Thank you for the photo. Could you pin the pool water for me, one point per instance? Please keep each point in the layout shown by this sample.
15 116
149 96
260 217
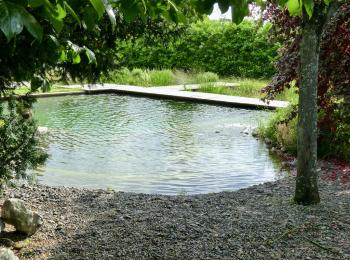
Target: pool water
148 145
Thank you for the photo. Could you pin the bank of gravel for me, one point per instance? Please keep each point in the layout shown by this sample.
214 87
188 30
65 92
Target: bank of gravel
259 222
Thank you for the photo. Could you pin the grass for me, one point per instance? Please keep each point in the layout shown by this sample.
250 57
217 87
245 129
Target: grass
248 88
25 90
139 77
283 135
206 77
155 78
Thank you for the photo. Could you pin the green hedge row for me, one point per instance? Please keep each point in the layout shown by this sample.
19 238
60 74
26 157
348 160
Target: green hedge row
222 47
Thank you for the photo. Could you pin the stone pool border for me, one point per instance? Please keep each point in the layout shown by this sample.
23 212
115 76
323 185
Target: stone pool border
177 92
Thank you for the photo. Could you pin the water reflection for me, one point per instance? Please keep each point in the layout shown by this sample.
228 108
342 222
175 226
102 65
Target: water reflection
152 146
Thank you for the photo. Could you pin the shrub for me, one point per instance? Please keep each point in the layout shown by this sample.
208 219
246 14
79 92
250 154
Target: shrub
341 144
20 146
281 133
335 138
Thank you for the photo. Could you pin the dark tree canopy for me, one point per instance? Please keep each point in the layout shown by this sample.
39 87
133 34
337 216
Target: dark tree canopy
74 39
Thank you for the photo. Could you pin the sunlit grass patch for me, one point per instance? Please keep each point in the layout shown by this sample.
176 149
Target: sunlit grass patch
247 88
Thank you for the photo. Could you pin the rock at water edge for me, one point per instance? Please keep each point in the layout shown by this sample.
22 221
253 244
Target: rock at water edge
15 212
7 254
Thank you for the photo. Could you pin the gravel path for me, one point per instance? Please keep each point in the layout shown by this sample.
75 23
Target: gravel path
259 222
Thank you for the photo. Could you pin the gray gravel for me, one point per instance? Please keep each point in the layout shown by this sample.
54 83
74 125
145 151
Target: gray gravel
259 222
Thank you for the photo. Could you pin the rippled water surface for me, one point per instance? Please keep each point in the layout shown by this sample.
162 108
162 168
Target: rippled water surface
151 146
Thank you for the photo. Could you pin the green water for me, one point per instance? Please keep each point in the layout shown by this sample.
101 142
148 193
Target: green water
151 146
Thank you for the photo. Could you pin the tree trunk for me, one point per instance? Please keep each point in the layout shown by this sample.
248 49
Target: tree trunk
306 191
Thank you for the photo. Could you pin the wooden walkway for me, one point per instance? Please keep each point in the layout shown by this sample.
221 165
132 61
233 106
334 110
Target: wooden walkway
177 92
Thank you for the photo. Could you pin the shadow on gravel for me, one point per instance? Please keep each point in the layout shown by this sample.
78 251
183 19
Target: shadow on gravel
9 238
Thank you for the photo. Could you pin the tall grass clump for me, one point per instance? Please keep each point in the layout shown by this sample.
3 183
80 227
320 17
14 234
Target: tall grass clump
206 77
279 131
247 88
140 77
161 77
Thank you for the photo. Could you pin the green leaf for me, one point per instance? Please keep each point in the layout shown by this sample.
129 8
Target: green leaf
55 15
309 7
172 5
36 3
99 7
294 7
54 40
10 20
90 19
74 47
76 58
63 56
61 13
32 25
110 14
14 17
90 55
71 11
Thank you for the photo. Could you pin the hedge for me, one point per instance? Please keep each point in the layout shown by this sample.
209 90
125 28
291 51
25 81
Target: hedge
225 48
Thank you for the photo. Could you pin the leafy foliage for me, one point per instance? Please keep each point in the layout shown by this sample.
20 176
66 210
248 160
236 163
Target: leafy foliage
70 39
224 48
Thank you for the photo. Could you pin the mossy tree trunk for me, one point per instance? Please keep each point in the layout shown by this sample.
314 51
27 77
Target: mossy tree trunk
306 191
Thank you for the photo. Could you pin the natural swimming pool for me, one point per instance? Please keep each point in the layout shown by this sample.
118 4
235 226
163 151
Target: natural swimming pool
151 146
